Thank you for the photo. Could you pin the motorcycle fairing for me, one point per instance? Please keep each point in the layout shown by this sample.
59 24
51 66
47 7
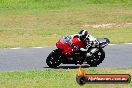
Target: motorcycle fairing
66 48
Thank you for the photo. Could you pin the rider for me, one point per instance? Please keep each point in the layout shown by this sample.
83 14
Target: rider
83 40
85 37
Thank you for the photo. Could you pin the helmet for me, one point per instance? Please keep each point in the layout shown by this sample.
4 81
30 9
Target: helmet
83 34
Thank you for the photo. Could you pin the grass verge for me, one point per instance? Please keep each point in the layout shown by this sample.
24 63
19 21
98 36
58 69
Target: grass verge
27 23
57 78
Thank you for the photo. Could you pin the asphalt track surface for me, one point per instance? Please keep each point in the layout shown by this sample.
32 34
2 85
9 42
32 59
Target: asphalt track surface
117 56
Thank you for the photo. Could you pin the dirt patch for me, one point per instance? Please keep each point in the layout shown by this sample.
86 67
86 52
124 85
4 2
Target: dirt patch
109 25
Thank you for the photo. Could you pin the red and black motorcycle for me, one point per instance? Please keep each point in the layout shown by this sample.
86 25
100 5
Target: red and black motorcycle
68 52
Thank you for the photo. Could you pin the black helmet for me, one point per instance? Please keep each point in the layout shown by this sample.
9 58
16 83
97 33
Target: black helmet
83 34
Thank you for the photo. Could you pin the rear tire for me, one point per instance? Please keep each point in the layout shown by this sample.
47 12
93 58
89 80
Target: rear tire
54 59
96 58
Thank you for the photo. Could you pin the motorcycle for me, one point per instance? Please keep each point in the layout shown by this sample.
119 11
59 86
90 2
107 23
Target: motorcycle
69 53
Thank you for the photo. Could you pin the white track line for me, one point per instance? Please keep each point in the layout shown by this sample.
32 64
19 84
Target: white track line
112 44
54 46
37 47
16 48
128 43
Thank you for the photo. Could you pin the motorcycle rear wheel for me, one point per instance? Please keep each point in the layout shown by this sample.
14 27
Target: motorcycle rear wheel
96 58
54 59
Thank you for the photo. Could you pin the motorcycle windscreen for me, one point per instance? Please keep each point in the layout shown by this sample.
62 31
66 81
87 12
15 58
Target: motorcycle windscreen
64 43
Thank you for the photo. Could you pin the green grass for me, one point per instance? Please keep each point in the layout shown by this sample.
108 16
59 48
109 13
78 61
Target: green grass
55 4
27 23
57 78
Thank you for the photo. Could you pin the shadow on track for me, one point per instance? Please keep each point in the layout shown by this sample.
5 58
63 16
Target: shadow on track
68 67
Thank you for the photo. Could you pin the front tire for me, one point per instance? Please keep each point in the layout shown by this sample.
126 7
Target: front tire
54 59
96 58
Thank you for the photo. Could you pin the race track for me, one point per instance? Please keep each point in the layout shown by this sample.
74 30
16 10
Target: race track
117 56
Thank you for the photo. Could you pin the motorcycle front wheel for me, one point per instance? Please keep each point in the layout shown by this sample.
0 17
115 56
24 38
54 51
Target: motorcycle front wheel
54 59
